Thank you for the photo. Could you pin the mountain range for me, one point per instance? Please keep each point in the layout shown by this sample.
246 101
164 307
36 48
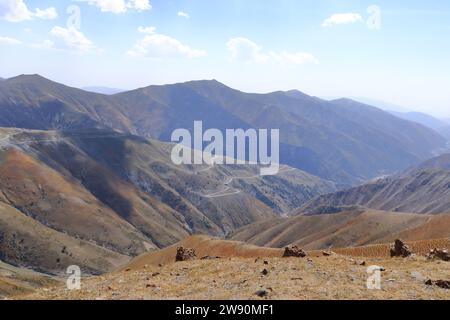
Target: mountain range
342 140
424 188
120 195
86 178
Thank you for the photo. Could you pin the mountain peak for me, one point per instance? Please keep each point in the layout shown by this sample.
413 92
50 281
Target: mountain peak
296 93
346 100
28 78
209 83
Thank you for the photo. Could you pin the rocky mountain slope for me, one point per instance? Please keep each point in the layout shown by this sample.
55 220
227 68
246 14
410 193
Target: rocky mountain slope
94 198
420 189
342 140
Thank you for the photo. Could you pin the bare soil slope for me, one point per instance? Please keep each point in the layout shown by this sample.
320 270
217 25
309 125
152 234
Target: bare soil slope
357 227
18 281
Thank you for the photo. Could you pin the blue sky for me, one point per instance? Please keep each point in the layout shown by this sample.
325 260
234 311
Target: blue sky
322 47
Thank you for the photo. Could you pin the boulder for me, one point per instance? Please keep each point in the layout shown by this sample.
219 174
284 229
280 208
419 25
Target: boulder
294 251
444 284
441 254
400 249
184 254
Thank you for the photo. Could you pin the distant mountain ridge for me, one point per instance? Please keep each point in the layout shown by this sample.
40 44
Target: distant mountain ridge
445 132
343 141
422 118
424 188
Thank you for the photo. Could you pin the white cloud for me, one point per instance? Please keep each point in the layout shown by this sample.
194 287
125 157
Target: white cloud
9 41
342 18
183 14
17 10
243 49
155 45
49 13
120 6
140 5
69 38
148 30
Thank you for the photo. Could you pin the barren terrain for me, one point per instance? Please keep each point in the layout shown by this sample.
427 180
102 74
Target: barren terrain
242 271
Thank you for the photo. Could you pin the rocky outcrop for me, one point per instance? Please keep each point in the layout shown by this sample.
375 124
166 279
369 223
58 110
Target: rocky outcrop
294 251
441 254
400 249
444 284
184 254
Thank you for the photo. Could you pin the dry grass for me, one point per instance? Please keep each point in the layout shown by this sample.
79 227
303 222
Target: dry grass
237 275
382 250
336 277
18 281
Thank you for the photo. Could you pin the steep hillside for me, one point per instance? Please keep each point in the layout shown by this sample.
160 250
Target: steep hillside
364 142
445 132
358 227
123 195
422 118
420 189
18 281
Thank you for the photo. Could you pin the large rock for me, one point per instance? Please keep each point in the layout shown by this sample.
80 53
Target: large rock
185 254
294 251
439 254
400 249
444 284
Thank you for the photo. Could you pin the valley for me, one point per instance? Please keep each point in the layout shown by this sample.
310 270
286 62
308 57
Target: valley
87 179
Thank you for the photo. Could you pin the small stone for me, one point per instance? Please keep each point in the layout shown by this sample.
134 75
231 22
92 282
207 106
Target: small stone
262 293
265 272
